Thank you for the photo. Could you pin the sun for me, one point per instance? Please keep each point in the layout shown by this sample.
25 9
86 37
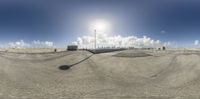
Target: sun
101 26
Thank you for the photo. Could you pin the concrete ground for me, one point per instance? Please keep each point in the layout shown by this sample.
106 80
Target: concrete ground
129 74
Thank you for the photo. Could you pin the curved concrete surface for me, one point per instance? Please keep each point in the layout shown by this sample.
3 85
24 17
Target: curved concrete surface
162 75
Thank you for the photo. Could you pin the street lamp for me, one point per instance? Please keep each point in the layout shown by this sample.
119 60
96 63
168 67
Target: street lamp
102 26
95 39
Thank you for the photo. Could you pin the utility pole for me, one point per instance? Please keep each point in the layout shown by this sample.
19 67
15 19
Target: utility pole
95 41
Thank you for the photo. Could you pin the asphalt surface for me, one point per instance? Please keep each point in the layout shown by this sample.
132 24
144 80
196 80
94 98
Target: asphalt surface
126 74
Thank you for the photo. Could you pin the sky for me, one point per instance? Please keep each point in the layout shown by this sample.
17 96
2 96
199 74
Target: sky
127 22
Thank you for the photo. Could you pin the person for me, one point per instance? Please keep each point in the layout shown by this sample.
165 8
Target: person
55 50
164 48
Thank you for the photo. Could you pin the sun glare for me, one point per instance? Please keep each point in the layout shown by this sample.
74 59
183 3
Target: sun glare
101 26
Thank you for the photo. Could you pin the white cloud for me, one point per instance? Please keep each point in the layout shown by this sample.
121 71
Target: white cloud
116 41
196 42
167 44
34 44
18 44
163 32
42 44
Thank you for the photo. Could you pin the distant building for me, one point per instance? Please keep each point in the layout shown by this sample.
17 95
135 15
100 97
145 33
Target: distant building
72 47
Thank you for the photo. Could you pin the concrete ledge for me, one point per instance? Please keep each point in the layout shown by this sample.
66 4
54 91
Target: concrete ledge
98 51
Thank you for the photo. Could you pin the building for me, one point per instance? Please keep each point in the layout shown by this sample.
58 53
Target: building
72 47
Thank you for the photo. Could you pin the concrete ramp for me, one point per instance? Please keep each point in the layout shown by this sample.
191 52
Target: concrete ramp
183 70
163 75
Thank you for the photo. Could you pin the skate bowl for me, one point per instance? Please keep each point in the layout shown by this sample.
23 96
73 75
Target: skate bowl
171 75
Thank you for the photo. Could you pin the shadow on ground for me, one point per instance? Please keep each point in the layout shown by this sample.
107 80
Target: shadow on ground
99 51
66 67
132 55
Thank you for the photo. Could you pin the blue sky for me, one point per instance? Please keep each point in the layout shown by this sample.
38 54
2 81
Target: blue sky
62 21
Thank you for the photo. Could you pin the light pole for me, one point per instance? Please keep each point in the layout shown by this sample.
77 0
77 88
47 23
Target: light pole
95 39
